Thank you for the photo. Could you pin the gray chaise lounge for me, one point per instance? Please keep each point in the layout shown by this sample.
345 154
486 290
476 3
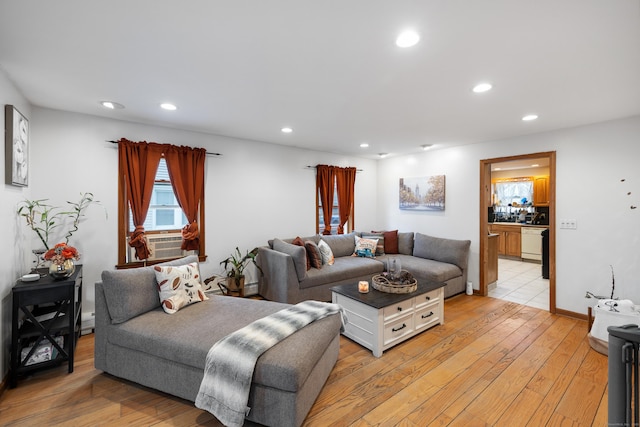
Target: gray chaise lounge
136 340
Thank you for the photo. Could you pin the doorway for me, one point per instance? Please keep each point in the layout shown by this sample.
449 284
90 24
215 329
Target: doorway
486 202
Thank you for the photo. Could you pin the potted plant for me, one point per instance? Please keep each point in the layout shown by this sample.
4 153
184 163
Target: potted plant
44 218
234 267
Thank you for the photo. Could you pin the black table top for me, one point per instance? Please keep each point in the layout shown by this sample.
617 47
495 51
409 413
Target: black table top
378 299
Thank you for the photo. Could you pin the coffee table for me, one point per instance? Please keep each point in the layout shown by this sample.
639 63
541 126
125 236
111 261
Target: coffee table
379 320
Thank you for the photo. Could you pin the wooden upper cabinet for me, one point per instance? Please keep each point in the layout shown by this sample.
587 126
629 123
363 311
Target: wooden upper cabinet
541 191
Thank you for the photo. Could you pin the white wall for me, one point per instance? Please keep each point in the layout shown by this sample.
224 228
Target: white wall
16 254
254 191
591 161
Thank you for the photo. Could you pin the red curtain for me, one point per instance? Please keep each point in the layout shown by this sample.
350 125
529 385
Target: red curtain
325 176
186 170
345 184
139 163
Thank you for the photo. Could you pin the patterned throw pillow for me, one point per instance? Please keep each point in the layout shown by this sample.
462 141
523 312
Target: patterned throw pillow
313 254
380 245
179 286
326 253
365 247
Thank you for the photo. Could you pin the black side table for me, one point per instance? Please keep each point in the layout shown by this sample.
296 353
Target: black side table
52 309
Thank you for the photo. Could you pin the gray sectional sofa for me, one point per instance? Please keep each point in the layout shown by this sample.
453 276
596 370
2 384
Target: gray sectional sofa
136 340
286 277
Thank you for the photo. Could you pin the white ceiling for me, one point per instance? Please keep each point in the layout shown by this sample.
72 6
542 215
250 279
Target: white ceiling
330 69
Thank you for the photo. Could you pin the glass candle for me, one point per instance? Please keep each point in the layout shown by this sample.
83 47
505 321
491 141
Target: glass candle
363 286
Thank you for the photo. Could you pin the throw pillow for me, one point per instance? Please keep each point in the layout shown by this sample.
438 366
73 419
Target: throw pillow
299 242
380 245
390 241
313 254
365 247
179 286
326 253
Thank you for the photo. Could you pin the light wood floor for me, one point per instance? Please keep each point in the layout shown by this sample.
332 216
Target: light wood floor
493 362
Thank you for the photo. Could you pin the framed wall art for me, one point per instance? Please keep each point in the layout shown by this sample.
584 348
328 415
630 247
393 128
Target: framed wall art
422 194
16 147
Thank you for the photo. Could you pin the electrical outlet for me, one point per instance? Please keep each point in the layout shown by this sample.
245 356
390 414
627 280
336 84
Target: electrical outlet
569 224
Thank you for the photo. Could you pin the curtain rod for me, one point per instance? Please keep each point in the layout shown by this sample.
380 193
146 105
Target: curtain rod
209 153
313 167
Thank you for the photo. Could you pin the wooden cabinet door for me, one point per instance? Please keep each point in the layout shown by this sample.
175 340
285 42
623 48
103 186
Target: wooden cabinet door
541 191
513 243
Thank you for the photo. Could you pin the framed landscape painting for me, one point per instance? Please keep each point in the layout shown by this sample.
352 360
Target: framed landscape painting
422 194
16 147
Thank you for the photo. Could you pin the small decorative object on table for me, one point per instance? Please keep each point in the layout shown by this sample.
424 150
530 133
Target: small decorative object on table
363 286
404 283
61 257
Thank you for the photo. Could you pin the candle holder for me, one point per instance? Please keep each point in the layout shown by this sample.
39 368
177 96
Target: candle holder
363 286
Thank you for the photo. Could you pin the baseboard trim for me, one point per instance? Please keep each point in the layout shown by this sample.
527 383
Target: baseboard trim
573 314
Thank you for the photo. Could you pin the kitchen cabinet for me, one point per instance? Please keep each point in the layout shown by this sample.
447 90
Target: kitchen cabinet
509 239
492 259
541 191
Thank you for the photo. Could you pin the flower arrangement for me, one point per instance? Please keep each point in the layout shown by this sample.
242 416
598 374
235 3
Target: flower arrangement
60 253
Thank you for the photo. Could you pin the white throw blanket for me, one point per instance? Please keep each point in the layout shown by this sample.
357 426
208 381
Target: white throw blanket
230 363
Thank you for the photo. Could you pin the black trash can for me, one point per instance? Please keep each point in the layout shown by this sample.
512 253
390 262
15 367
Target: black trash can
545 254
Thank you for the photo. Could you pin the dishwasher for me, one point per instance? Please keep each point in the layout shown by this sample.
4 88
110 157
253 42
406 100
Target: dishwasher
531 243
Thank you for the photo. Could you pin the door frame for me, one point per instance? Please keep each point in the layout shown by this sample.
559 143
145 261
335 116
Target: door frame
485 202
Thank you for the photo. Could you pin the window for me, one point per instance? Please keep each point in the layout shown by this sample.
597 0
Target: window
335 215
511 196
164 211
168 226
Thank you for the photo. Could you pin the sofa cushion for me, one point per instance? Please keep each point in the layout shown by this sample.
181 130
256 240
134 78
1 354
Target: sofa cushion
344 268
428 269
365 247
341 244
390 241
313 254
134 291
405 243
187 336
445 250
297 253
326 253
179 286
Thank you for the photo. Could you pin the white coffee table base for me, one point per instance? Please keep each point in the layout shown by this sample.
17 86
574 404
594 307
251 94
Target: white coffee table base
380 323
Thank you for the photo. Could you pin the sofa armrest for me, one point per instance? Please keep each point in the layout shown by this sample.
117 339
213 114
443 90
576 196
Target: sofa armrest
279 281
102 322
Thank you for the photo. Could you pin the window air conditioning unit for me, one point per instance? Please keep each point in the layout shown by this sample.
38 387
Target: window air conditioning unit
162 246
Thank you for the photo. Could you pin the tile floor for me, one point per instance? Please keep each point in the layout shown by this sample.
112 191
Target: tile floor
521 282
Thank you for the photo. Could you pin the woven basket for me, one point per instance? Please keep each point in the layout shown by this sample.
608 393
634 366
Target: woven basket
383 284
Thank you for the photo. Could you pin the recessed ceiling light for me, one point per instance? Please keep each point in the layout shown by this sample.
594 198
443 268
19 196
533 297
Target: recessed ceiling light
529 117
364 145
482 87
286 130
111 105
168 106
407 39
425 147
